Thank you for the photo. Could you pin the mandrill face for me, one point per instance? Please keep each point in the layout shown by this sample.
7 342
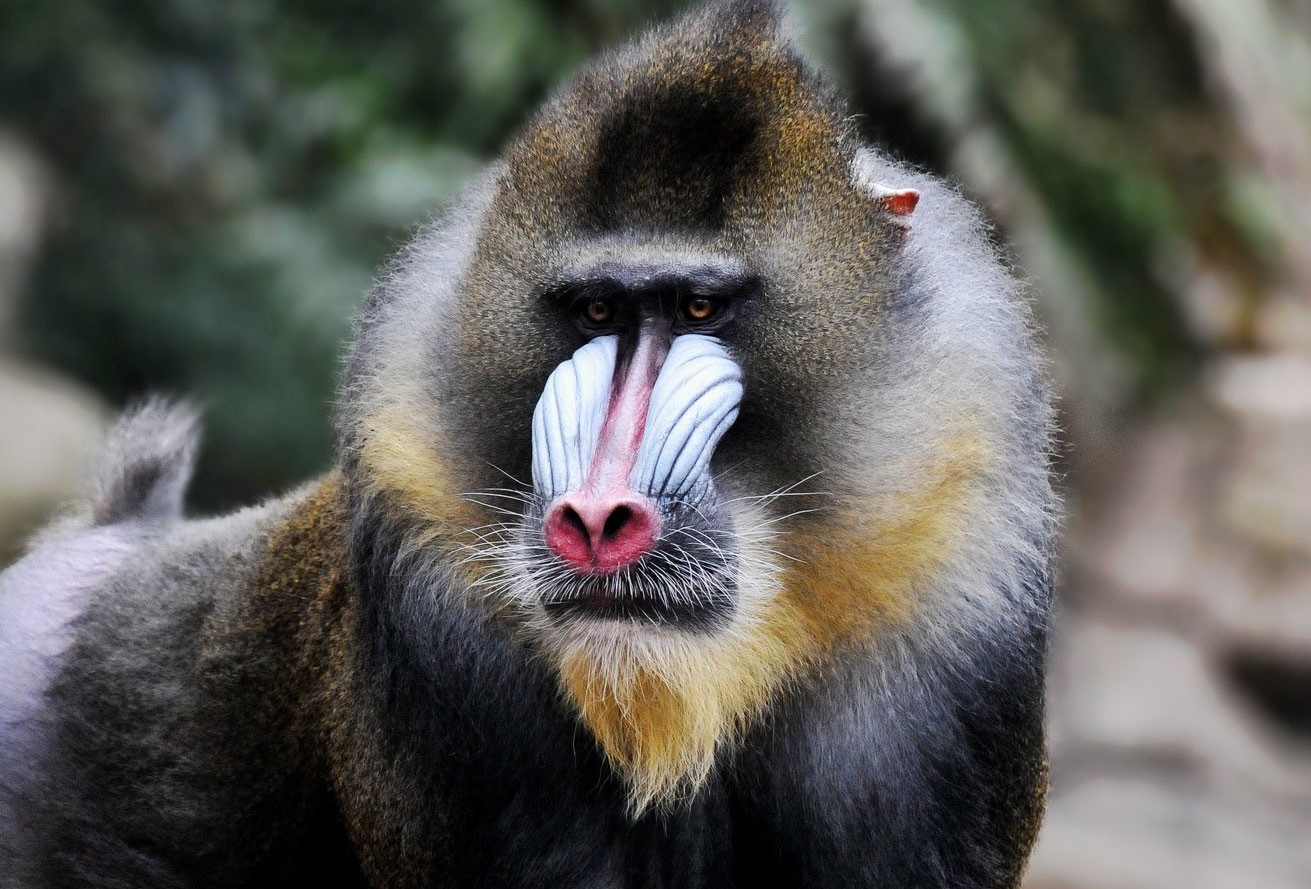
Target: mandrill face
590 406
626 532
623 437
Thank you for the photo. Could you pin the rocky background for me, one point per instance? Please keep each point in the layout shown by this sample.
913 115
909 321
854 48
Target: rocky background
193 196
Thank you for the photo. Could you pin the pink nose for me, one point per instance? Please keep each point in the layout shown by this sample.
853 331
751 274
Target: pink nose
601 532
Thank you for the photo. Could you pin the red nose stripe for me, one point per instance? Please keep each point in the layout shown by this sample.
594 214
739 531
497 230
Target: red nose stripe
606 525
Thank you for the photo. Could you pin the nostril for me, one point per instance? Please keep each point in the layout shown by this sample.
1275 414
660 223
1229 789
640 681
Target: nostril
615 522
629 531
600 533
570 517
567 534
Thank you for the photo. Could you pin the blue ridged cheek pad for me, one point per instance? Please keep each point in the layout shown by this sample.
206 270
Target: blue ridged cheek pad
693 403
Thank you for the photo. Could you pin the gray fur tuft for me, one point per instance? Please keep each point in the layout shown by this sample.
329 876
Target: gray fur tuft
142 471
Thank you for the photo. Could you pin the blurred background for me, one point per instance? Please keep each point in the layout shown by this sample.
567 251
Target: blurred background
194 195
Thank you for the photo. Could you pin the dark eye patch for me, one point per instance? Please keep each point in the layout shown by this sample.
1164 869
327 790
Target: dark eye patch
700 296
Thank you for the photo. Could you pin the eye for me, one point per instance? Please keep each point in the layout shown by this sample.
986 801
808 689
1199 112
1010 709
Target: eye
700 309
599 311
595 314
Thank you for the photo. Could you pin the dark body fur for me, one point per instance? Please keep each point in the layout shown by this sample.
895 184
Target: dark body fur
306 692
251 733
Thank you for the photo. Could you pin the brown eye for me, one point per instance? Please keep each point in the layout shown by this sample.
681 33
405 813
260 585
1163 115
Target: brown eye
698 308
599 311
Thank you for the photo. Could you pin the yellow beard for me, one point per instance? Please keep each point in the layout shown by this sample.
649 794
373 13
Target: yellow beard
661 713
662 708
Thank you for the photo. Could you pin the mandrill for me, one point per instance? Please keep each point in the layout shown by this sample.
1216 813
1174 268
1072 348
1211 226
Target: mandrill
692 527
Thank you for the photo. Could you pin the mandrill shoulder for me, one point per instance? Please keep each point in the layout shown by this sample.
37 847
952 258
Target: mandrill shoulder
298 591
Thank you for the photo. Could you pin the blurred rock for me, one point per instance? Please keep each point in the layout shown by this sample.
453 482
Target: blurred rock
1144 696
1130 827
51 427
1286 324
24 191
1274 387
1214 299
1181 675
1264 503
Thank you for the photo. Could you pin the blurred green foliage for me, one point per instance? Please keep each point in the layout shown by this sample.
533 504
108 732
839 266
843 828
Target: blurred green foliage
231 174
1103 105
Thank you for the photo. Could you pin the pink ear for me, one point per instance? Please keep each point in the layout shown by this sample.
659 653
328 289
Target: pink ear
897 201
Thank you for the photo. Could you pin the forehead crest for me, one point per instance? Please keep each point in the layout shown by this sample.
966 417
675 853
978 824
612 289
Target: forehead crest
681 128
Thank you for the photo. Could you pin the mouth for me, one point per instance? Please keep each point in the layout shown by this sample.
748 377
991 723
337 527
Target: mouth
687 582
706 611
707 616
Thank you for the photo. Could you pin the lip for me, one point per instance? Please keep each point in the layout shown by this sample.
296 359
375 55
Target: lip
597 568
702 614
